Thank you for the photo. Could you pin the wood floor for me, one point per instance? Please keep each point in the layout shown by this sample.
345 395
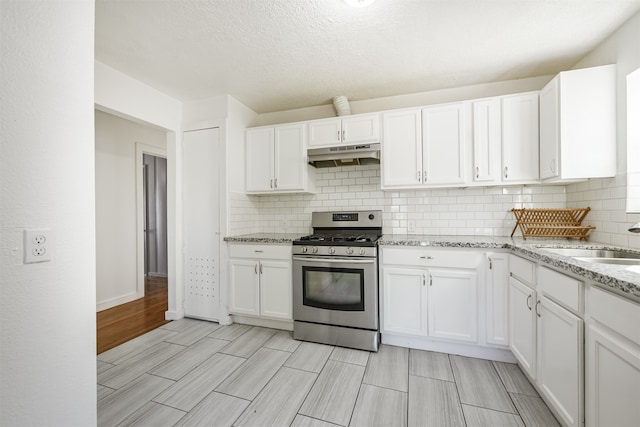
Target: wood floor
122 323
195 373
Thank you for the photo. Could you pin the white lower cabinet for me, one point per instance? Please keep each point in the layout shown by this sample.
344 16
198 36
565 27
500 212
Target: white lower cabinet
260 281
547 335
429 293
497 298
560 363
613 361
522 322
405 301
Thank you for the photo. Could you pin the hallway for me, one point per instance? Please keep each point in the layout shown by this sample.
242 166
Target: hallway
122 323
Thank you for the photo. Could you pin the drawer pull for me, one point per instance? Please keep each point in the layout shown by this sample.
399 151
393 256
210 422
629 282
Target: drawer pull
426 257
258 251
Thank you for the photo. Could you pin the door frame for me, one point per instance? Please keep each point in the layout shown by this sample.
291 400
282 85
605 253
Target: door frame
141 150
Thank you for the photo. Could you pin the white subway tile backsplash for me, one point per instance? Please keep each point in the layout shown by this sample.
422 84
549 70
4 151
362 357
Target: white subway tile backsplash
484 211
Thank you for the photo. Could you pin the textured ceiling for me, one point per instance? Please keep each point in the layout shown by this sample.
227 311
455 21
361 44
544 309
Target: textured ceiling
275 55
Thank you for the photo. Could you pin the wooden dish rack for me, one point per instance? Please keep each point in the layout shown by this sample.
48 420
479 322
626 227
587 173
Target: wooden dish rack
552 223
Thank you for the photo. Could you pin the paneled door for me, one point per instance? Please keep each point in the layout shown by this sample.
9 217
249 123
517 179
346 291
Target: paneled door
201 219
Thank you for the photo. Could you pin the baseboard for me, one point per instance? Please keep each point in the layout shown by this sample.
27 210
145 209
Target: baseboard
117 301
286 325
468 350
150 274
173 315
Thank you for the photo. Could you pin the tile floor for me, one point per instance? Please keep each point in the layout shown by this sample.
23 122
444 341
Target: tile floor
191 372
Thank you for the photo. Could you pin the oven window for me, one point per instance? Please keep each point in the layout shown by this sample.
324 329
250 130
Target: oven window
333 288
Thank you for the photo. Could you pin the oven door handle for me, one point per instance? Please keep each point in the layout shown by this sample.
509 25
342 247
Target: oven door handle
337 260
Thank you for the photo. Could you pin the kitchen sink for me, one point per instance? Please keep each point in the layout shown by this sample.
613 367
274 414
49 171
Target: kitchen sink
601 256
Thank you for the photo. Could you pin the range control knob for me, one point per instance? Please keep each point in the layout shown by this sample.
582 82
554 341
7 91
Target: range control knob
332 250
314 250
371 216
349 251
362 251
303 249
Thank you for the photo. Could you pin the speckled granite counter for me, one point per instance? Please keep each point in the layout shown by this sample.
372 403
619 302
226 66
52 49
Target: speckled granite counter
263 238
622 279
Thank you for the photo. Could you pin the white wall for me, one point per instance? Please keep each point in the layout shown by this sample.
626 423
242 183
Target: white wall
116 248
408 100
607 197
47 310
123 96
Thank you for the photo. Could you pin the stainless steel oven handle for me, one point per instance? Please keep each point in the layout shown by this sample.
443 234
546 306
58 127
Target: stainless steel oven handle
337 260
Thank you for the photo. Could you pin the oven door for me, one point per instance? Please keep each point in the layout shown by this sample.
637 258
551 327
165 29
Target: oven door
336 291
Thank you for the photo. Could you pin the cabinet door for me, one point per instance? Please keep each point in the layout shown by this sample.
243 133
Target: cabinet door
613 379
497 298
245 287
453 305
259 160
401 163
486 140
290 157
522 324
404 301
359 129
520 138
443 144
550 130
560 361
325 133
275 289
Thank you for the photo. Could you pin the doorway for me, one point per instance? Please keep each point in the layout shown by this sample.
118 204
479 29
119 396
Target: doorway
155 222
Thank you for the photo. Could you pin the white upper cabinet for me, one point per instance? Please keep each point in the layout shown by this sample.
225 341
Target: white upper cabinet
276 160
401 162
520 143
424 147
356 129
443 140
578 125
487 141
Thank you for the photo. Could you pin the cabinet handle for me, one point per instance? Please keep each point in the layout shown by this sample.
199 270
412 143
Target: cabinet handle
490 264
339 139
344 135
255 268
477 172
276 185
430 280
271 184
260 268
419 176
506 172
510 274
537 312
424 280
424 175
528 302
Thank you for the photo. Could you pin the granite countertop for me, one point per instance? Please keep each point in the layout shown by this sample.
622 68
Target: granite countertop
264 238
622 279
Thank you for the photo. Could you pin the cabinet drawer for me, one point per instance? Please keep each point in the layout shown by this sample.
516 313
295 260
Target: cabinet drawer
564 289
260 251
617 313
521 269
432 257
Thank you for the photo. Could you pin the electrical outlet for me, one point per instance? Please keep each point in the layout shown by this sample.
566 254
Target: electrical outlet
37 245
411 227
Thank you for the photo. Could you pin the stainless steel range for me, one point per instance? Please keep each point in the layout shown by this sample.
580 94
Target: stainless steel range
335 280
